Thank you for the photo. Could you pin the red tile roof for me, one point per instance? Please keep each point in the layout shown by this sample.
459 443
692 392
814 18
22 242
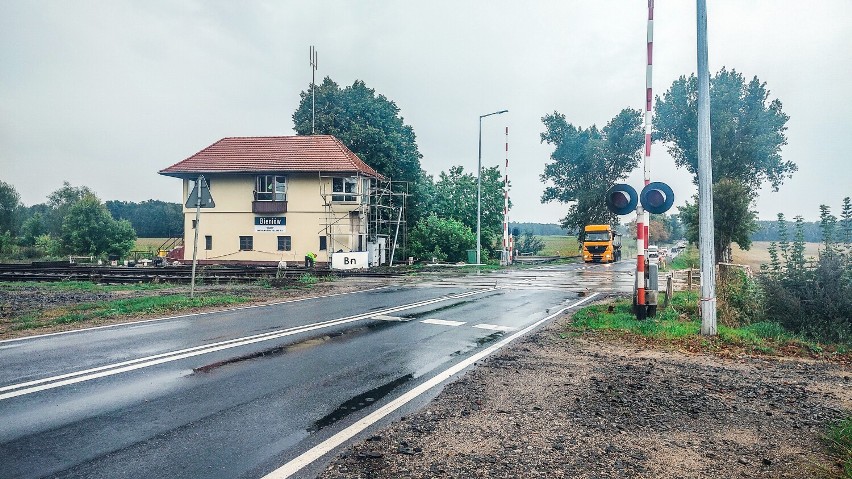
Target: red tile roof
272 154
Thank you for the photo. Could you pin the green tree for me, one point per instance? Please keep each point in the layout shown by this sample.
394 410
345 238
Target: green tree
529 243
151 218
455 198
445 239
586 162
10 208
33 227
846 222
89 229
59 204
370 126
734 221
747 134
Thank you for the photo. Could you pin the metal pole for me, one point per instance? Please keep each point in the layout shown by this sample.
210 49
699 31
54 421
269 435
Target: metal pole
479 195
505 255
197 227
313 54
705 183
649 114
479 189
641 311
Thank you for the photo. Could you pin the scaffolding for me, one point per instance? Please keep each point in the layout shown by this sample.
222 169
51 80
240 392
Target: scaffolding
367 217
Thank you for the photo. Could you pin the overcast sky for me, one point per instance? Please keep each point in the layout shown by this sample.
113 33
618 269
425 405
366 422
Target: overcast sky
107 93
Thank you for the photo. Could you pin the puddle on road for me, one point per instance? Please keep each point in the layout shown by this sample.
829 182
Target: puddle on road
302 345
489 339
359 402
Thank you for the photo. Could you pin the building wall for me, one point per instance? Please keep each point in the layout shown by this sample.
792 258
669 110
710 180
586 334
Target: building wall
306 219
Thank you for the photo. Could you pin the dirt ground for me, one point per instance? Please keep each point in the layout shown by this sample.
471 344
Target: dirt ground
18 302
555 405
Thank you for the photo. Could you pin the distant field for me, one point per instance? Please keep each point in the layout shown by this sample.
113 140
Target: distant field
759 253
561 245
148 244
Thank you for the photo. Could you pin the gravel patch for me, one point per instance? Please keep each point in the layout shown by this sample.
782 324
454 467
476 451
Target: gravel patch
595 408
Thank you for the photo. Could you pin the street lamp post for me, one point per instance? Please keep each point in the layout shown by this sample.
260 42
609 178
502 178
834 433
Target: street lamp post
479 189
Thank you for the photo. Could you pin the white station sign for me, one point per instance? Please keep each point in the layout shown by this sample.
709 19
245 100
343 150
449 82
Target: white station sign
352 260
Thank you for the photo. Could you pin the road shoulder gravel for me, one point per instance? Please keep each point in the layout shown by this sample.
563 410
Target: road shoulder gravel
557 405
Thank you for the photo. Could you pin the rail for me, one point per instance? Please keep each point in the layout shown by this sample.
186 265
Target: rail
170 274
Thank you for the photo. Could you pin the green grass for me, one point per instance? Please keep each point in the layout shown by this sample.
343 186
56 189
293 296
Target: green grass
148 244
121 308
687 259
839 439
665 325
680 323
559 245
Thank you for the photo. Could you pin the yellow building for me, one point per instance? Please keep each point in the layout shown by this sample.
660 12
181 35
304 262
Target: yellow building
277 199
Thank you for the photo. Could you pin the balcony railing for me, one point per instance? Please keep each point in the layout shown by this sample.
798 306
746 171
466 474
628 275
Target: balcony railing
268 206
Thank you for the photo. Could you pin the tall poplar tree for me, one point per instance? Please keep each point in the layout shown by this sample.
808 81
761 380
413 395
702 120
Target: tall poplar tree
747 132
586 162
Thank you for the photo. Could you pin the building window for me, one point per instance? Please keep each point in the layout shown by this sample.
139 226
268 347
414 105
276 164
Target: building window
339 186
284 243
246 243
208 242
323 245
194 222
270 188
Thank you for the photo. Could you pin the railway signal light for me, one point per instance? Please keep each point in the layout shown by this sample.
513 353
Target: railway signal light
657 197
621 199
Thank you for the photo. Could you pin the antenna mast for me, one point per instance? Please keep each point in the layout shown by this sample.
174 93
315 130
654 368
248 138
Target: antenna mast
313 54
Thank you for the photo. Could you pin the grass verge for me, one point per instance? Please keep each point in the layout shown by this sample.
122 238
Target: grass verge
839 440
104 310
87 286
678 327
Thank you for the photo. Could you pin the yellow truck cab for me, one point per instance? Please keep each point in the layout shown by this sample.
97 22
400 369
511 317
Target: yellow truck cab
601 244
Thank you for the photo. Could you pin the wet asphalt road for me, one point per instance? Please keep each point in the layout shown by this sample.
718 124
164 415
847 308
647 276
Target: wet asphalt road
241 392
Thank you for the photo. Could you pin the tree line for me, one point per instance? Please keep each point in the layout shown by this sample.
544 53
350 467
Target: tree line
747 134
748 131
74 221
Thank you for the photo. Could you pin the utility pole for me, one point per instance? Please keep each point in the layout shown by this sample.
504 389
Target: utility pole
313 53
479 189
705 183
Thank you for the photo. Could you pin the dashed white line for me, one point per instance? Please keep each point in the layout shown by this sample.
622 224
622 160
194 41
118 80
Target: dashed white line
494 327
385 317
443 322
323 448
29 387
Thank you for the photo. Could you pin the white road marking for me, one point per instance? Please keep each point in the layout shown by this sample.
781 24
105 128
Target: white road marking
30 387
385 317
329 444
443 322
494 327
239 308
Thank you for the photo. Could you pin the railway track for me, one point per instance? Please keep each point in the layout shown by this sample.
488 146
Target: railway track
168 274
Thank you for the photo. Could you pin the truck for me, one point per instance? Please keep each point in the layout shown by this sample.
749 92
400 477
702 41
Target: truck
601 244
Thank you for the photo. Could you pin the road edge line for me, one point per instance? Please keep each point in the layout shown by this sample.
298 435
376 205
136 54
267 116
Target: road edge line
298 463
188 315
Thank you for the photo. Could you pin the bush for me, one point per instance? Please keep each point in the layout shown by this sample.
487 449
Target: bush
813 298
442 239
741 299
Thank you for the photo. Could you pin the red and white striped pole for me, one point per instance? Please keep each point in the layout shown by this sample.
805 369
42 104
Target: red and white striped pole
643 219
506 243
649 98
640 264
